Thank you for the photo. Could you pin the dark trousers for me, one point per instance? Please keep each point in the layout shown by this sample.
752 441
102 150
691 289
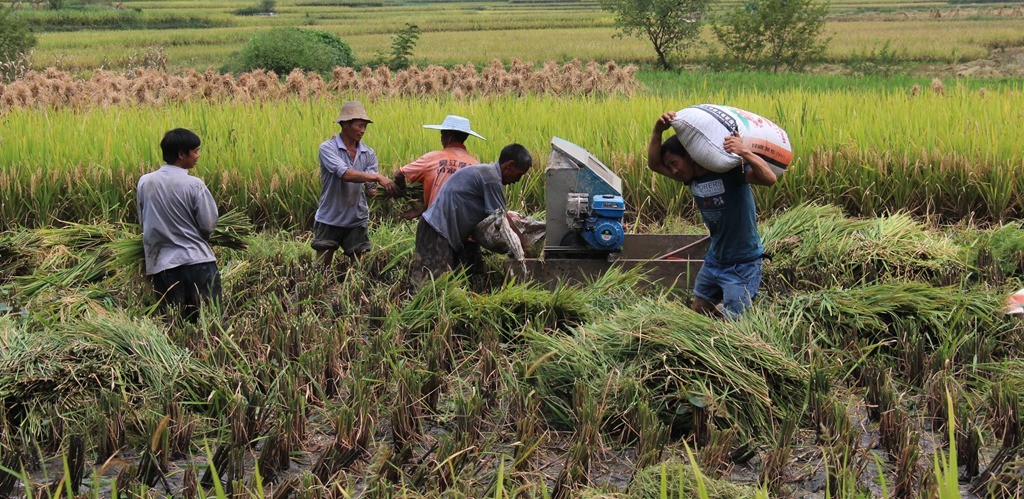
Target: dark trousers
187 286
433 256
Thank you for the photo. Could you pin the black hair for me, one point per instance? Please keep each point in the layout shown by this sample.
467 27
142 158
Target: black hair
179 140
518 154
673 146
455 135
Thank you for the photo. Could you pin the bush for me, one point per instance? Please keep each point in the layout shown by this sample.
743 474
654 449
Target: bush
263 7
283 49
15 38
774 34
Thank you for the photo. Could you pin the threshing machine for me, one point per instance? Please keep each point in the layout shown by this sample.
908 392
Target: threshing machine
585 234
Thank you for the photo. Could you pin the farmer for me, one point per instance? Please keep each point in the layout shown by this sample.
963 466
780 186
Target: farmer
469 196
345 165
731 275
178 215
434 168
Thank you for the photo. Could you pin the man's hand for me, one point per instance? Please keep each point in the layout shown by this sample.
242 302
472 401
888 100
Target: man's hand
734 144
388 185
664 122
414 212
759 173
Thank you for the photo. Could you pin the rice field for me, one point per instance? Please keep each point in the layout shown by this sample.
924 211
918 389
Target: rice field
933 151
876 361
839 381
477 32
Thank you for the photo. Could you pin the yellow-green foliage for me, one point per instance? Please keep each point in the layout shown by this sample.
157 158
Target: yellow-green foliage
476 32
871 151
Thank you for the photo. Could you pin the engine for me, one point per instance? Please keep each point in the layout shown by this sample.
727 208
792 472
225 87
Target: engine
598 219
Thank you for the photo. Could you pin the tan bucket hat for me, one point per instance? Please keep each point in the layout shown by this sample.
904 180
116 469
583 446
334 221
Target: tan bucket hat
352 110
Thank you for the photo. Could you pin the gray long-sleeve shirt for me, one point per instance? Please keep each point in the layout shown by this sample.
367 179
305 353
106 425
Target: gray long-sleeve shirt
469 196
178 215
343 204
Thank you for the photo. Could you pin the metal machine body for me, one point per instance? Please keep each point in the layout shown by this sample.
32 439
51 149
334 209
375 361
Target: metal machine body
581 196
585 233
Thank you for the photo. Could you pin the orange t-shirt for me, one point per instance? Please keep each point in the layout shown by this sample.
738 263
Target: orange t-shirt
434 168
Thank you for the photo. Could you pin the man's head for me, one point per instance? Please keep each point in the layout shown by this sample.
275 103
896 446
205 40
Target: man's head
180 147
353 121
514 162
674 155
454 130
449 137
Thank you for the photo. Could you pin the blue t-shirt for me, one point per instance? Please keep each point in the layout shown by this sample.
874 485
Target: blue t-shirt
726 204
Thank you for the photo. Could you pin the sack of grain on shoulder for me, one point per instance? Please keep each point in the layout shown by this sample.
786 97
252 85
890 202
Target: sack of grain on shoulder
702 130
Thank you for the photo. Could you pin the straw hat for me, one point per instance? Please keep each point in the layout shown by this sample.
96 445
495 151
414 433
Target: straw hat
456 124
352 110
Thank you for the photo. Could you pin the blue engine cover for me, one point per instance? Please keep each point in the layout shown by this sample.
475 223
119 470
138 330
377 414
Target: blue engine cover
603 233
608 206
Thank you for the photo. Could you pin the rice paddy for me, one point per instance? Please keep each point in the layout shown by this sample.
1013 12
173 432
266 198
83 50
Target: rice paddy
478 32
304 384
876 361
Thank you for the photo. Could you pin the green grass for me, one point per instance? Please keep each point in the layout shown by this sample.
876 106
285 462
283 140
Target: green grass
930 154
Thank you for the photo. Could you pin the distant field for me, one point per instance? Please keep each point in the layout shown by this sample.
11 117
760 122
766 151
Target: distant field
478 32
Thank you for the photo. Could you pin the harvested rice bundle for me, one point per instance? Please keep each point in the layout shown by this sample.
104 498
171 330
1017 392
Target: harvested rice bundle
878 314
818 244
133 356
681 359
78 255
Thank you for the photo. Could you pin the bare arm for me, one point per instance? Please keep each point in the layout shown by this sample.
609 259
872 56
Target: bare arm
359 177
654 146
331 160
681 170
760 173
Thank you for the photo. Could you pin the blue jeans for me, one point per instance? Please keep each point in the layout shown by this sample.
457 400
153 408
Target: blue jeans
733 285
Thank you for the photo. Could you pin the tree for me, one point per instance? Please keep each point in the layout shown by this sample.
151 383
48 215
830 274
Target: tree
15 43
15 38
402 45
670 25
775 33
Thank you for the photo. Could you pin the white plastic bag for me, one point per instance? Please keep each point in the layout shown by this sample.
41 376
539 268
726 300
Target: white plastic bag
495 234
702 130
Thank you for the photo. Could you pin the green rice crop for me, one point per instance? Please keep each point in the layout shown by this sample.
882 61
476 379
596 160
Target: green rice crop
109 19
84 357
680 360
928 154
815 243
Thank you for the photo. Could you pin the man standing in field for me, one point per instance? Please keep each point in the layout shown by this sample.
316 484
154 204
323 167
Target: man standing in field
178 216
469 196
346 164
436 167
731 275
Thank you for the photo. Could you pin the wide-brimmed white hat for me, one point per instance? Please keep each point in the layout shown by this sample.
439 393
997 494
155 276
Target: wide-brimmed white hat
352 110
455 124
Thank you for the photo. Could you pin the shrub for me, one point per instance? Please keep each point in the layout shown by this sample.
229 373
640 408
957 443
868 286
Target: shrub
774 34
283 49
15 38
402 45
263 7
